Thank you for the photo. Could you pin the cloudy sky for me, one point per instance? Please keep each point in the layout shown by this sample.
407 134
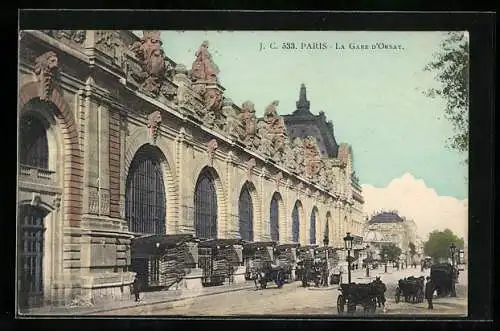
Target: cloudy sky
372 95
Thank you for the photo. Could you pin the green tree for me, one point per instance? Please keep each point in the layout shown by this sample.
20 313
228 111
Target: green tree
451 68
390 252
438 245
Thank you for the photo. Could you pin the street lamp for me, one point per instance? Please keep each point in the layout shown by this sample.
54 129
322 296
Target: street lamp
325 242
367 257
385 262
348 246
452 252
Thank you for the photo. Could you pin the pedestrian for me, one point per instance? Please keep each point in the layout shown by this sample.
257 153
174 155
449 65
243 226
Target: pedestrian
136 288
429 292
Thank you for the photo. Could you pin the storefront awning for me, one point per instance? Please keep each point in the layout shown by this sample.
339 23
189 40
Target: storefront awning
211 243
154 243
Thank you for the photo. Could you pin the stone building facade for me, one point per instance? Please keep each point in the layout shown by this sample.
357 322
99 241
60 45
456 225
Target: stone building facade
392 228
118 141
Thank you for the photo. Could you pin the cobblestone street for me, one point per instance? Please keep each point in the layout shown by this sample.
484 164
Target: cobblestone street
293 299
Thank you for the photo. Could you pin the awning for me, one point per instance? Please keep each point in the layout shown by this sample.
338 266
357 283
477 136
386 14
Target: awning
154 243
212 243
258 245
287 246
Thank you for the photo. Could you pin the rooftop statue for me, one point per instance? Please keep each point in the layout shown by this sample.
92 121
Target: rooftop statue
204 68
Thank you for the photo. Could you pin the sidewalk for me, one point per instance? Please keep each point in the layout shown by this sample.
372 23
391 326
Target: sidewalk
147 298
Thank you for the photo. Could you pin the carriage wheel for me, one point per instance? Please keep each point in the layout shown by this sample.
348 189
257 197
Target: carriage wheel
280 279
340 304
398 295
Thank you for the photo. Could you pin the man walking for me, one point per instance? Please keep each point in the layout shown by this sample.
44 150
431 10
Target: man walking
136 288
429 292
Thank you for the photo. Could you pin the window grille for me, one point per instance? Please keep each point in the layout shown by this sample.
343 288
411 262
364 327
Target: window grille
33 144
245 210
145 201
274 218
205 207
31 264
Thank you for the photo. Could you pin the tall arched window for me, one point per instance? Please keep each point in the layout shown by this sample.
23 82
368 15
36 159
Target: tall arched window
295 223
274 218
145 201
245 211
33 147
205 207
312 231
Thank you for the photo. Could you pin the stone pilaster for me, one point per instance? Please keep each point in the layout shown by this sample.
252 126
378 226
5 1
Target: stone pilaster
185 208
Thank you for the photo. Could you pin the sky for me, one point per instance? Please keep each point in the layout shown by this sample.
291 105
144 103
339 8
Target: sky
373 96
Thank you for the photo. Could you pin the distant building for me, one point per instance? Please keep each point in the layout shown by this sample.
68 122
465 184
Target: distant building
389 227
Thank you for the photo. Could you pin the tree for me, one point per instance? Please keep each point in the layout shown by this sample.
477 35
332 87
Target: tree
451 68
438 245
390 252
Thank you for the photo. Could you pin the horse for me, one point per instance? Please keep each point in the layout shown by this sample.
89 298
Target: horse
256 276
380 289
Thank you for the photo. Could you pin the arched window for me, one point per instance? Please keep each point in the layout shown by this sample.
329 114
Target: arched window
295 223
205 207
312 231
274 218
145 201
31 252
245 211
33 147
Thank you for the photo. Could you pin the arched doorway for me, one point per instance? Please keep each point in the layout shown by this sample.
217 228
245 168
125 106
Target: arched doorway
296 222
205 206
145 200
245 211
274 216
145 205
312 229
31 253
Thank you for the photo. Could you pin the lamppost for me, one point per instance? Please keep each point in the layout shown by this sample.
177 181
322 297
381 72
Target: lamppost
453 249
385 262
367 259
348 246
325 242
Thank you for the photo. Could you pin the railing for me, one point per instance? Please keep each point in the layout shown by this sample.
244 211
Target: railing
37 175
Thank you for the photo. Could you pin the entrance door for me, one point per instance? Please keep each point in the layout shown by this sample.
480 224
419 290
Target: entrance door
31 243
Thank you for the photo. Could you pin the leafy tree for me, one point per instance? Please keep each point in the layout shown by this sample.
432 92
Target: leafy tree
451 68
390 252
438 245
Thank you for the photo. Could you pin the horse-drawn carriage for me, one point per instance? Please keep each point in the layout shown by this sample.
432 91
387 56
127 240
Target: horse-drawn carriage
411 289
444 276
286 258
217 258
308 270
260 264
366 295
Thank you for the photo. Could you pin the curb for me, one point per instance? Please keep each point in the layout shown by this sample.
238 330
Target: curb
171 303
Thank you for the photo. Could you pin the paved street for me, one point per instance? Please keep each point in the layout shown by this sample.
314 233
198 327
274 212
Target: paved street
295 300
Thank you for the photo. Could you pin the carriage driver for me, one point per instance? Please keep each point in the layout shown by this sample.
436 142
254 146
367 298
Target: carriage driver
429 292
